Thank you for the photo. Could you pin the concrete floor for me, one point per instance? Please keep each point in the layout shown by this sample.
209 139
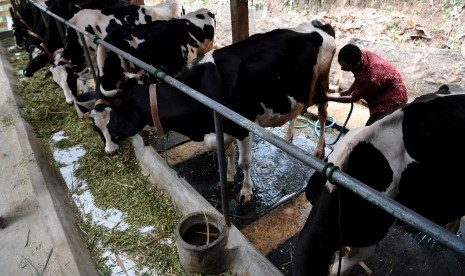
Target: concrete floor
39 234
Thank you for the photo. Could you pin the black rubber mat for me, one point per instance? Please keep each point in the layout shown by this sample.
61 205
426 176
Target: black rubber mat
166 142
400 253
281 257
277 177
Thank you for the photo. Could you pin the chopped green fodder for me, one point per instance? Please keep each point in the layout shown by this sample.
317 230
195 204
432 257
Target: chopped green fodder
115 182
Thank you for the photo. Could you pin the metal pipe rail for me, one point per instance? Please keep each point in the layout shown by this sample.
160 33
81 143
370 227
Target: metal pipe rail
373 196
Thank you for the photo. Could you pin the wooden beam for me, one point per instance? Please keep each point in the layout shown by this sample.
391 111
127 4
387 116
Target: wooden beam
239 19
5 13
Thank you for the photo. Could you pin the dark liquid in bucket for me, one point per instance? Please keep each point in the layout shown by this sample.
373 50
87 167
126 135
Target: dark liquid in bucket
197 234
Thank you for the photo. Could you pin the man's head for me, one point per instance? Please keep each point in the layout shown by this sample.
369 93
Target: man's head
350 57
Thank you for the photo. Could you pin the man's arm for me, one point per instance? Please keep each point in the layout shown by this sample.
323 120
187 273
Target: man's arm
342 98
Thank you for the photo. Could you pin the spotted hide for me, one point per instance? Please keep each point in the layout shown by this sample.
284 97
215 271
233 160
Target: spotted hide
24 19
407 156
28 27
268 78
99 22
42 54
165 44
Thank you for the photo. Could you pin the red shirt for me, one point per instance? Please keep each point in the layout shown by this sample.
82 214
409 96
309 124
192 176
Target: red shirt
379 83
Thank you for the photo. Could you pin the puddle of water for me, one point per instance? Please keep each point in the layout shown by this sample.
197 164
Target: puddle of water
277 176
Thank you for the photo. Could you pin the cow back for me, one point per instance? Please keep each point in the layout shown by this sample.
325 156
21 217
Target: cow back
269 71
165 44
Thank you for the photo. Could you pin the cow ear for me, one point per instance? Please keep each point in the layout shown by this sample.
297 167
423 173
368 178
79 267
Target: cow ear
315 186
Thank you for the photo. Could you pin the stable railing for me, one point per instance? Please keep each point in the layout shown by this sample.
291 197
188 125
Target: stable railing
376 198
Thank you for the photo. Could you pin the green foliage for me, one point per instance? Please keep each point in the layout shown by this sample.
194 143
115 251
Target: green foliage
456 2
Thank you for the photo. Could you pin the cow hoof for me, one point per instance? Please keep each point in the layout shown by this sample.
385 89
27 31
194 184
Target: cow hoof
288 137
319 154
245 199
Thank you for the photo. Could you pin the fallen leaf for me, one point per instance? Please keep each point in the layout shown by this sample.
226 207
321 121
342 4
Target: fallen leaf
120 263
397 14
432 80
453 78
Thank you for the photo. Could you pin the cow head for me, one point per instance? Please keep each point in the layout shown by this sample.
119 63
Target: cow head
20 29
66 76
25 18
205 20
84 103
100 116
38 60
20 35
115 126
116 119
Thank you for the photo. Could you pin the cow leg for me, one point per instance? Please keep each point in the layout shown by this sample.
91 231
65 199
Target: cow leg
318 240
353 257
322 115
289 136
209 141
245 149
231 167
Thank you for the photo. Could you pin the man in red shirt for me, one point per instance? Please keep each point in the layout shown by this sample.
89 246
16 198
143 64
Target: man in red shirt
376 81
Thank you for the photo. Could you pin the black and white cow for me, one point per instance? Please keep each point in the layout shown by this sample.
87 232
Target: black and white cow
269 78
404 156
52 41
165 44
28 26
23 21
99 22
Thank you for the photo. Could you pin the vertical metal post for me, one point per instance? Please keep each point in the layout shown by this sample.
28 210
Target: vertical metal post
222 165
89 60
60 30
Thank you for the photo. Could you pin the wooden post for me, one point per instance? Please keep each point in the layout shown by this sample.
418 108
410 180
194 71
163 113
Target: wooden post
239 19
139 2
